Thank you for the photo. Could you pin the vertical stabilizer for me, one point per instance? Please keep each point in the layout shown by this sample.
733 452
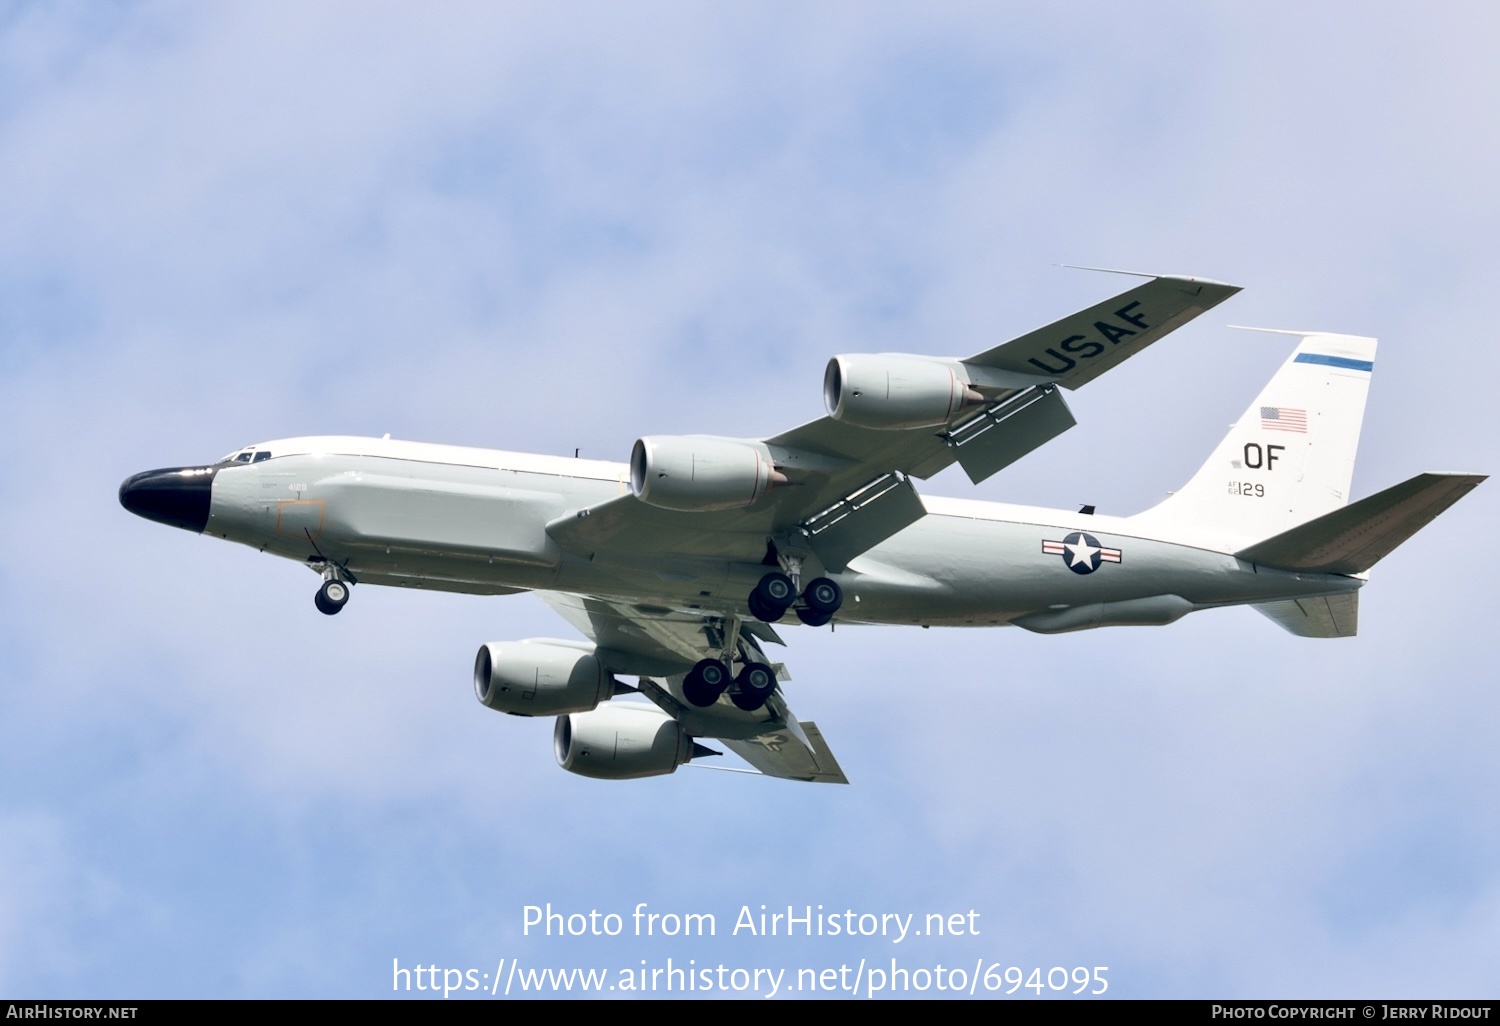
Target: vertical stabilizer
1290 458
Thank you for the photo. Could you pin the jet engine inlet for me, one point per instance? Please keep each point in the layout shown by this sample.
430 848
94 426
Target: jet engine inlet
540 678
892 391
622 742
699 473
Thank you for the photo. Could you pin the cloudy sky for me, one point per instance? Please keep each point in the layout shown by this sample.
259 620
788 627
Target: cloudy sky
548 226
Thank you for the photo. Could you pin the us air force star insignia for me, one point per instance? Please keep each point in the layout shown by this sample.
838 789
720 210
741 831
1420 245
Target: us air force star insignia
1081 552
770 742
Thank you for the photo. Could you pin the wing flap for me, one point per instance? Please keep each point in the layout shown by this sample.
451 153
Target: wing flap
998 437
863 520
1354 538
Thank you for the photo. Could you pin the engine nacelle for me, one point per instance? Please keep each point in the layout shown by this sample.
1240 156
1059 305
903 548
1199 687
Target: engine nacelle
698 473
540 677
896 390
621 742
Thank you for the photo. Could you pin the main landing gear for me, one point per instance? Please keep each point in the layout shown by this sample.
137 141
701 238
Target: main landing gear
776 593
709 679
705 682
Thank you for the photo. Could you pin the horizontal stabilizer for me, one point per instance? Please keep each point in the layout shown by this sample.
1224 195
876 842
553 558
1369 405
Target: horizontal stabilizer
1354 538
1322 616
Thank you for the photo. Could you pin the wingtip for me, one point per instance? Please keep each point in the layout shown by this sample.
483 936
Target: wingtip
1303 334
1275 331
1108 270
1183 279
1473 479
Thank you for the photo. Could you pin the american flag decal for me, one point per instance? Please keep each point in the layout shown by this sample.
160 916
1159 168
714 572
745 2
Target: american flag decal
1283 418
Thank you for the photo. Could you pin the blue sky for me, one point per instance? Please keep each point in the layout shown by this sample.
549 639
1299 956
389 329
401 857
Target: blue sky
541 227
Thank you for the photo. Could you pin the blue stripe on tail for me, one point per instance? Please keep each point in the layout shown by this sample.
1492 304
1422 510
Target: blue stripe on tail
1336 361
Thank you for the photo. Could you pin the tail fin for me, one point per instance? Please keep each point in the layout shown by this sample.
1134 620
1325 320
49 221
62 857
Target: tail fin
1290 457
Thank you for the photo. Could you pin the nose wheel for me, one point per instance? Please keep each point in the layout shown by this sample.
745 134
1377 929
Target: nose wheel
331 597
334 594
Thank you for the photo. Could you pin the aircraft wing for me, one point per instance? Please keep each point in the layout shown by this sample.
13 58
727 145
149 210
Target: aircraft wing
850 485
780 753
650 641
659 645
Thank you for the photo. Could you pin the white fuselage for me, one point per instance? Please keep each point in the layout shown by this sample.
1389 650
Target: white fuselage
449 518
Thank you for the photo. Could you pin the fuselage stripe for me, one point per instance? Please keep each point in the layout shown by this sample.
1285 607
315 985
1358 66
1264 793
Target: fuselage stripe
1335 361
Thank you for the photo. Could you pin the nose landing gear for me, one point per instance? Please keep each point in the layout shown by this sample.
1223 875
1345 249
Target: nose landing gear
332 596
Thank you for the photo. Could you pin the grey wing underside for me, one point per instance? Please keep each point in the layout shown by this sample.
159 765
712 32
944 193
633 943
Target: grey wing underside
782 754
648 641
660 645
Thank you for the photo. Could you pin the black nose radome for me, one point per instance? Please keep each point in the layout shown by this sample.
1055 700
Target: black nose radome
178 496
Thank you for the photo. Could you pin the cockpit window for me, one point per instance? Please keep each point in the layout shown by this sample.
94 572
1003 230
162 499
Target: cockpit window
243 457
261 456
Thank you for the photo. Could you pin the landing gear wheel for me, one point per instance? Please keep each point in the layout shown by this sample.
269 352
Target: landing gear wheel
705 682
813 619
772 597
331 597
763 612
777 589
823 596
756 682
